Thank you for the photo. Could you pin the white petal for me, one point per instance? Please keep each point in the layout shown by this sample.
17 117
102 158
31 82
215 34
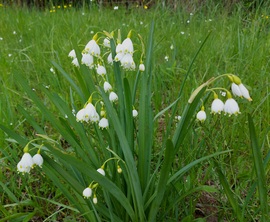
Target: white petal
38 160
87 192
217 106
201 116
236 90
244 92
101 171
113 97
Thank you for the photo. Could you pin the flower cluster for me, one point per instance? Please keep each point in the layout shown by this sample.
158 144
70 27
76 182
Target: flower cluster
92 57
230 107
88 191
27 162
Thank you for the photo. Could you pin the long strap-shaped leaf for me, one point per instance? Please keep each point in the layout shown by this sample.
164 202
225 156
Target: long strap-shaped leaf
164 175
259 169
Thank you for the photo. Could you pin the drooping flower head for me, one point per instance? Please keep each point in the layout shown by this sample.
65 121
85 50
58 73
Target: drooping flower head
25 164
238 88
231 106
217 105
87 192
92 47
201 115
38 159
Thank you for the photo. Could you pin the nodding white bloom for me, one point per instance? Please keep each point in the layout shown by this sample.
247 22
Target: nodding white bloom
95 200
107 86
134 113
109 59
92 48
38 159
128 46
75 62
101 171
244 92
217 106
178 118
236 90
87 192
101 70
231 107
141 67
80 115
106 42
103 123
113 97
201 115
88 60
25 164
127 62
72 54
91 113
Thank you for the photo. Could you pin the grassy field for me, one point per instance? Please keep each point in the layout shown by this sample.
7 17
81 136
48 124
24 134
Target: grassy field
224 188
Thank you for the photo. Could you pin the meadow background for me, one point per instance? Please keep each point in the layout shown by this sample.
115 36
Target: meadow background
238 42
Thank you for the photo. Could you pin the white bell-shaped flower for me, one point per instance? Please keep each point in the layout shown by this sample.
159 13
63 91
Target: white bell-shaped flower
231 107
92 48
106 43
88 60
134 113
91 113
127 62
101 70
25 164
103 123
109 59
87 192
107 86
38 159
217 106
201 116
80 116
236 90
244 92
72 54
101 171
75 62
128 46
113 97
141 67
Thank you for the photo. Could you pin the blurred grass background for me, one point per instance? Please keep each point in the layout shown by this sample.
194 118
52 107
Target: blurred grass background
30 39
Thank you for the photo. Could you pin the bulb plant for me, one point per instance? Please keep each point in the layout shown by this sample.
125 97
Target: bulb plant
111 171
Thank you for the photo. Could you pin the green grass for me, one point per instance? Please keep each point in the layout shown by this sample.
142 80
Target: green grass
238 43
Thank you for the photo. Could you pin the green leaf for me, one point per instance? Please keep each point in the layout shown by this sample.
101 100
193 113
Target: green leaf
164 175
259 169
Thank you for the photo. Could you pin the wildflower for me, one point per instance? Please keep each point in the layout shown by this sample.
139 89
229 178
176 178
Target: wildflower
87 192
80 115
101 171
103 123
75 62
101 70
244 92
201 115
231 106
88 60
141 67
72 54
91 113
217 105
106 42
25 164
92 48
115 7
109 59
127 62
128 46
107 86
134 113
95 199
37 159
178 118
238 88
113 97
